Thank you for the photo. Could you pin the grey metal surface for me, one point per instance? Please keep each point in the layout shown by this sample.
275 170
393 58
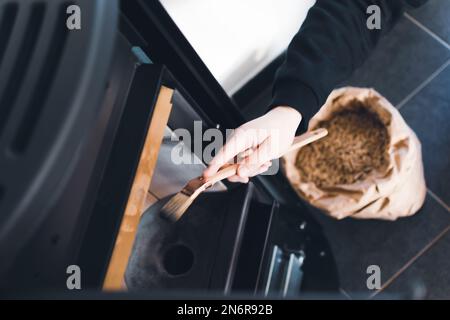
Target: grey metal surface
170 177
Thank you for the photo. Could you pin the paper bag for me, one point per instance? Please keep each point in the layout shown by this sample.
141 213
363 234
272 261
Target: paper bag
397 192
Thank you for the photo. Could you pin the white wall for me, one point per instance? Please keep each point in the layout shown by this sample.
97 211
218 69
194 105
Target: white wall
238 38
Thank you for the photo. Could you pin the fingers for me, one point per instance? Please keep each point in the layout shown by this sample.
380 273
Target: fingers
225 154
240 141
260 170
256 161
237 178
264 167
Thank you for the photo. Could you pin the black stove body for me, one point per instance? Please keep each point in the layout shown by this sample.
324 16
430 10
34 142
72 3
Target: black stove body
66 207
230 242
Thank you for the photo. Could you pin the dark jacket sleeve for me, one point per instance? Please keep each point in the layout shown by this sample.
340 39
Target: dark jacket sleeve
332 42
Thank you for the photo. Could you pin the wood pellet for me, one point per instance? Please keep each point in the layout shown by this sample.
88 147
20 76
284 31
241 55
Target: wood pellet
356 145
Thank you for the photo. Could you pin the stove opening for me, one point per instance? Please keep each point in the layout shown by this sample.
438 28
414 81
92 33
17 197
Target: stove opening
178 260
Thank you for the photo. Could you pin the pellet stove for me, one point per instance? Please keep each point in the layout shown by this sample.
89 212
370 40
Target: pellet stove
84 116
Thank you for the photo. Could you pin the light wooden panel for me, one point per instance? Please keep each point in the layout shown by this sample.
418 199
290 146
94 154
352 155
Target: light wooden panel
114 279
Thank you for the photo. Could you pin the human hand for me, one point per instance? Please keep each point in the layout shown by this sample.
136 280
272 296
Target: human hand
258 142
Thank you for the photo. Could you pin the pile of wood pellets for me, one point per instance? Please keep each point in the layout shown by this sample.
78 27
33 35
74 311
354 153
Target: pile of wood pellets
356 145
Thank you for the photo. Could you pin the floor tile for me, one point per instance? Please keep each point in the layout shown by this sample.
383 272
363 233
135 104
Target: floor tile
357 244
428 114
428 276
435 15
401 62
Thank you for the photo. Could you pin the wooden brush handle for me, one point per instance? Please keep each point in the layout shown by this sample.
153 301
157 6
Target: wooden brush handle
225 172
299 141
307 138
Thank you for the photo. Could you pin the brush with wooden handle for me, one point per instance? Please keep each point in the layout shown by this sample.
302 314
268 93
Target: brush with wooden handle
180 202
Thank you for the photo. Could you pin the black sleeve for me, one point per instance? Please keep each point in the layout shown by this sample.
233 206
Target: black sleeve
332 42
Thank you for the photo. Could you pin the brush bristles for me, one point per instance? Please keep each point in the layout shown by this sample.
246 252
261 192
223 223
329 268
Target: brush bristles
176 206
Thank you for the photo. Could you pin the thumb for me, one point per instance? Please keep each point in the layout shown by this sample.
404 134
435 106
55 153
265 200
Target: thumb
263 154
231 149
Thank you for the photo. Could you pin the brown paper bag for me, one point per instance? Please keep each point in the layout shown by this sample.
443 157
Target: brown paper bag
398 192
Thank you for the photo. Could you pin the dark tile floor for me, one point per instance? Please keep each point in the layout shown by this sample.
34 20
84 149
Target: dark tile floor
429 274
358 244
428 113
402 61
411 252
434 16
411 67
